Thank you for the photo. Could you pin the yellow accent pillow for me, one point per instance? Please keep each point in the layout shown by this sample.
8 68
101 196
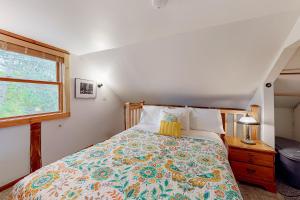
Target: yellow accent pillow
170 129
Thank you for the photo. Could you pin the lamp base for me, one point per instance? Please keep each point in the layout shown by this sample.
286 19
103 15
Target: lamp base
250 142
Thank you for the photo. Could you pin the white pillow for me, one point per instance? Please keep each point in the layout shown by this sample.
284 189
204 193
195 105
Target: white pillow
182 115
151 115
206 120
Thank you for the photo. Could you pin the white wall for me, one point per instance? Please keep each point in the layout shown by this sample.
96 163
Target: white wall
268 129
284 122
297 123
264 97
91 121
14 153
288 122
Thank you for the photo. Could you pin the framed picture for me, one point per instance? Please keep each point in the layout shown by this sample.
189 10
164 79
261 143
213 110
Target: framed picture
85 89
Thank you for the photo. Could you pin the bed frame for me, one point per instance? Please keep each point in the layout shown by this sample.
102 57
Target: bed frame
230 116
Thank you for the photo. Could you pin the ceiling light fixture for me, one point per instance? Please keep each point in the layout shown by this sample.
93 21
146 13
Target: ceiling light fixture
159 3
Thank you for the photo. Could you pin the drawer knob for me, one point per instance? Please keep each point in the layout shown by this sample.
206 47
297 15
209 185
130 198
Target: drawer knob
250 171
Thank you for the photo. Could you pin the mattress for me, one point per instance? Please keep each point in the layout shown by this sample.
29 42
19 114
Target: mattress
138 164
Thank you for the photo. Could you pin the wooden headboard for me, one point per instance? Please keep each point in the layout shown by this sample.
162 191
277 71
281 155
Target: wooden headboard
230 116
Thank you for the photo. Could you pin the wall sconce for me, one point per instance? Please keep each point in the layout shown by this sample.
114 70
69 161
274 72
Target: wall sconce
99 85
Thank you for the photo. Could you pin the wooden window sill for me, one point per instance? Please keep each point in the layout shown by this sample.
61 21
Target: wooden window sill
17 121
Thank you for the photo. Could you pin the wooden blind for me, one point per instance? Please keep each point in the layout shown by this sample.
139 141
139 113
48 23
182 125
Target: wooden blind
29 51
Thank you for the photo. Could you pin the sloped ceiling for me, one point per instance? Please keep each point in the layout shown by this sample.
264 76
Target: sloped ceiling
215 66
289 84
93 25
287 101
195 52
294 62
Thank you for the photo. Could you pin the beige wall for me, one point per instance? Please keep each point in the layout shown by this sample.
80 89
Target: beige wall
287 122
284 122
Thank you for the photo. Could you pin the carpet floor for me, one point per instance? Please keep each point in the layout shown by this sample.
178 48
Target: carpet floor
287 191
250 192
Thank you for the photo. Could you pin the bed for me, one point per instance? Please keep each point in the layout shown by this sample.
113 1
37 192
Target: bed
138 164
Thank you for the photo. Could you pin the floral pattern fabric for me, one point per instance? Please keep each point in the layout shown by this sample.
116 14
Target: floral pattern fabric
136 164
168 117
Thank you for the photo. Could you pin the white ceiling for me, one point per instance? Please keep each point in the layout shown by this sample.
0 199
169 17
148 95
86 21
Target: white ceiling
289 84
93 25
216 66
294 62
196 52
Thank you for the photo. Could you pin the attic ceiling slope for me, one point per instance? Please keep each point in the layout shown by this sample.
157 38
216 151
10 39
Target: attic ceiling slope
93 25
216 66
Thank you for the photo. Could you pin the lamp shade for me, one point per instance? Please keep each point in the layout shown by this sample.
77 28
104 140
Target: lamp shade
248 120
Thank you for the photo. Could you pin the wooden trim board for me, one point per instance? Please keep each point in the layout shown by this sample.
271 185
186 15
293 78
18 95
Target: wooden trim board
290 73
31 119
28 81
26 39
35 147
289 94
10 184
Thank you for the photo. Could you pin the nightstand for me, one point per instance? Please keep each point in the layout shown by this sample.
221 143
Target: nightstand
252 163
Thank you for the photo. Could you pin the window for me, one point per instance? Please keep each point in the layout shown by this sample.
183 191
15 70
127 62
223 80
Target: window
28 85
32 84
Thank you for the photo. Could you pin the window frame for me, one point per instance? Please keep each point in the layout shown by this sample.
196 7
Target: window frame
62 79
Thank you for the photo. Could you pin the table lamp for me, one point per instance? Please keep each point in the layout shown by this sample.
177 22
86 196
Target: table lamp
248 121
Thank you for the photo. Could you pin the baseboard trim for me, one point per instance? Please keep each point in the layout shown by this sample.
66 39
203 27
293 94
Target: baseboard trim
10 184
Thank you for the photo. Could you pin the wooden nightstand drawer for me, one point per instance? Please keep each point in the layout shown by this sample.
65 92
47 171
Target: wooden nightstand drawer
252 163
251 157
249 171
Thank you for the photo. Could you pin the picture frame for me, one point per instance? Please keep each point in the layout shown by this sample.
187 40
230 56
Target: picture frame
85 89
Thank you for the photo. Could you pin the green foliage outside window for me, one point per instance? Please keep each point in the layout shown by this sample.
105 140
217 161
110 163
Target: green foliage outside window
16 98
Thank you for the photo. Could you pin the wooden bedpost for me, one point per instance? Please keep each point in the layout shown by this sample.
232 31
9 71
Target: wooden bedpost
126 108
255 112
132 113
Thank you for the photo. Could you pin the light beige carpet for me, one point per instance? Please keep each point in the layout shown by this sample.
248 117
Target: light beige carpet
248 192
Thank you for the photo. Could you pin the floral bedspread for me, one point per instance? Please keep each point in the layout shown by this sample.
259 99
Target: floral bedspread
136 164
